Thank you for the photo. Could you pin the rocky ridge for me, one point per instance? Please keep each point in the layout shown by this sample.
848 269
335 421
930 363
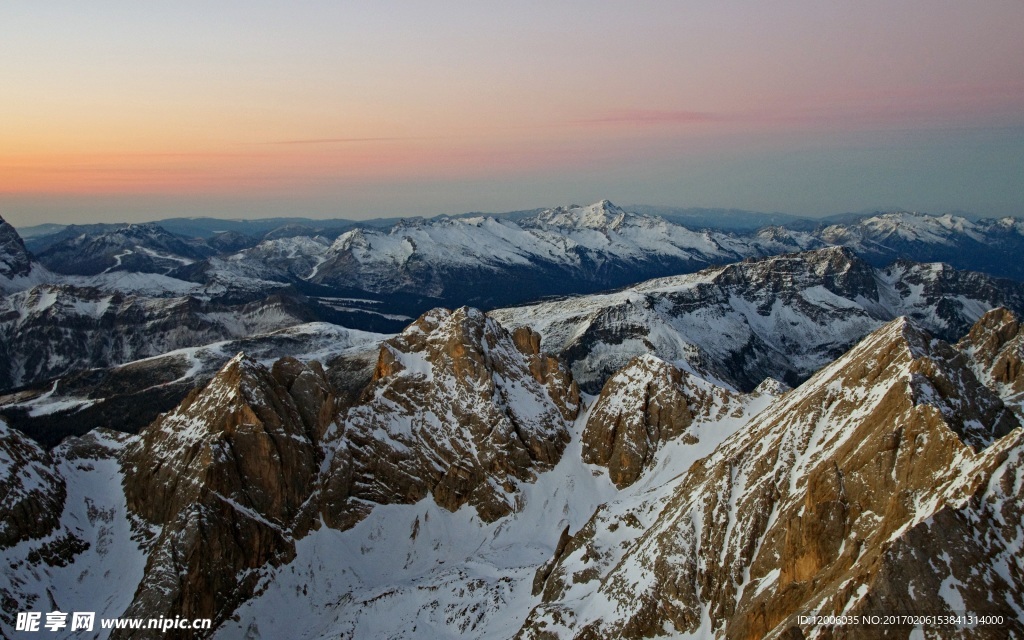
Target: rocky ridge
15 260
830 501
872 485
995 346
225 479
31 494
143 248
782 317
18 269
646 403
53 330
458 408
218 492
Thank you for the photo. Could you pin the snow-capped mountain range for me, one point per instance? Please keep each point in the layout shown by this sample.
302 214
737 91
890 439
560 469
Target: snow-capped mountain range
780 423
565 250
783 317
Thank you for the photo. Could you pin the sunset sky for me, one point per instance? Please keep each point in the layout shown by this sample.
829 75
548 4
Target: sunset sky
127 111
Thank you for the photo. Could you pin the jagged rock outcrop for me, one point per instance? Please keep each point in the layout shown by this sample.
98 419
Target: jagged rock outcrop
784 316
52 330
459 409
996 348
809 507
226 479
15 260
32 492
646 403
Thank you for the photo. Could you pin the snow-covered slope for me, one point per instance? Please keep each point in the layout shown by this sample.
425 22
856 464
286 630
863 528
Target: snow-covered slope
888 482
90 555
379 276
146 248
50 330
452 480
815 506
781 317
467 259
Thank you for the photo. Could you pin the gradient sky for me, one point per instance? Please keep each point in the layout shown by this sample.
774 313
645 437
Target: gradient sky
126 111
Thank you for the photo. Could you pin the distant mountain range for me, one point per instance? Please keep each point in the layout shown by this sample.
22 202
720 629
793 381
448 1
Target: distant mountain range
98 298
472 259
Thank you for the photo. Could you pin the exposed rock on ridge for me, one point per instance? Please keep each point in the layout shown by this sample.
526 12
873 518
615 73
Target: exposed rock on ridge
31 492
459 409
785 316
226 478
799 511
646 403
15 259
996 348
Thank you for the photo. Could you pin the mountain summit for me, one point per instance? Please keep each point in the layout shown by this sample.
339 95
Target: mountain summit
600 215
863 491
15 259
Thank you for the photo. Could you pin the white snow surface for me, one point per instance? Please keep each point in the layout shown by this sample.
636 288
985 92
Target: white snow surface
421 571
699 319
103 577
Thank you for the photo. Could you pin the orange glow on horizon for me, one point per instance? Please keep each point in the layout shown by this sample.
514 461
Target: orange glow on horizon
277 167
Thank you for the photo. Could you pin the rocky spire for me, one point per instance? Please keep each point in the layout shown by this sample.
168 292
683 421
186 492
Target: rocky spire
15 260
459 409
225 478
996 347
646 403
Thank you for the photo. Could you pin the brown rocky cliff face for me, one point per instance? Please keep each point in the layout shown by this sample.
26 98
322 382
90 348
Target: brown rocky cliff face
32 492
550 372
969 553
225 477
459 409
800 511
647 402
996 347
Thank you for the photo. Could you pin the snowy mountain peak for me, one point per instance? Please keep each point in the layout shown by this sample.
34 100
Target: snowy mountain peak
601 215
907 227
458 408
15 259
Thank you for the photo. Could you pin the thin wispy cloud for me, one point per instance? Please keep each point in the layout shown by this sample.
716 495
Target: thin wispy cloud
653 116
314 141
